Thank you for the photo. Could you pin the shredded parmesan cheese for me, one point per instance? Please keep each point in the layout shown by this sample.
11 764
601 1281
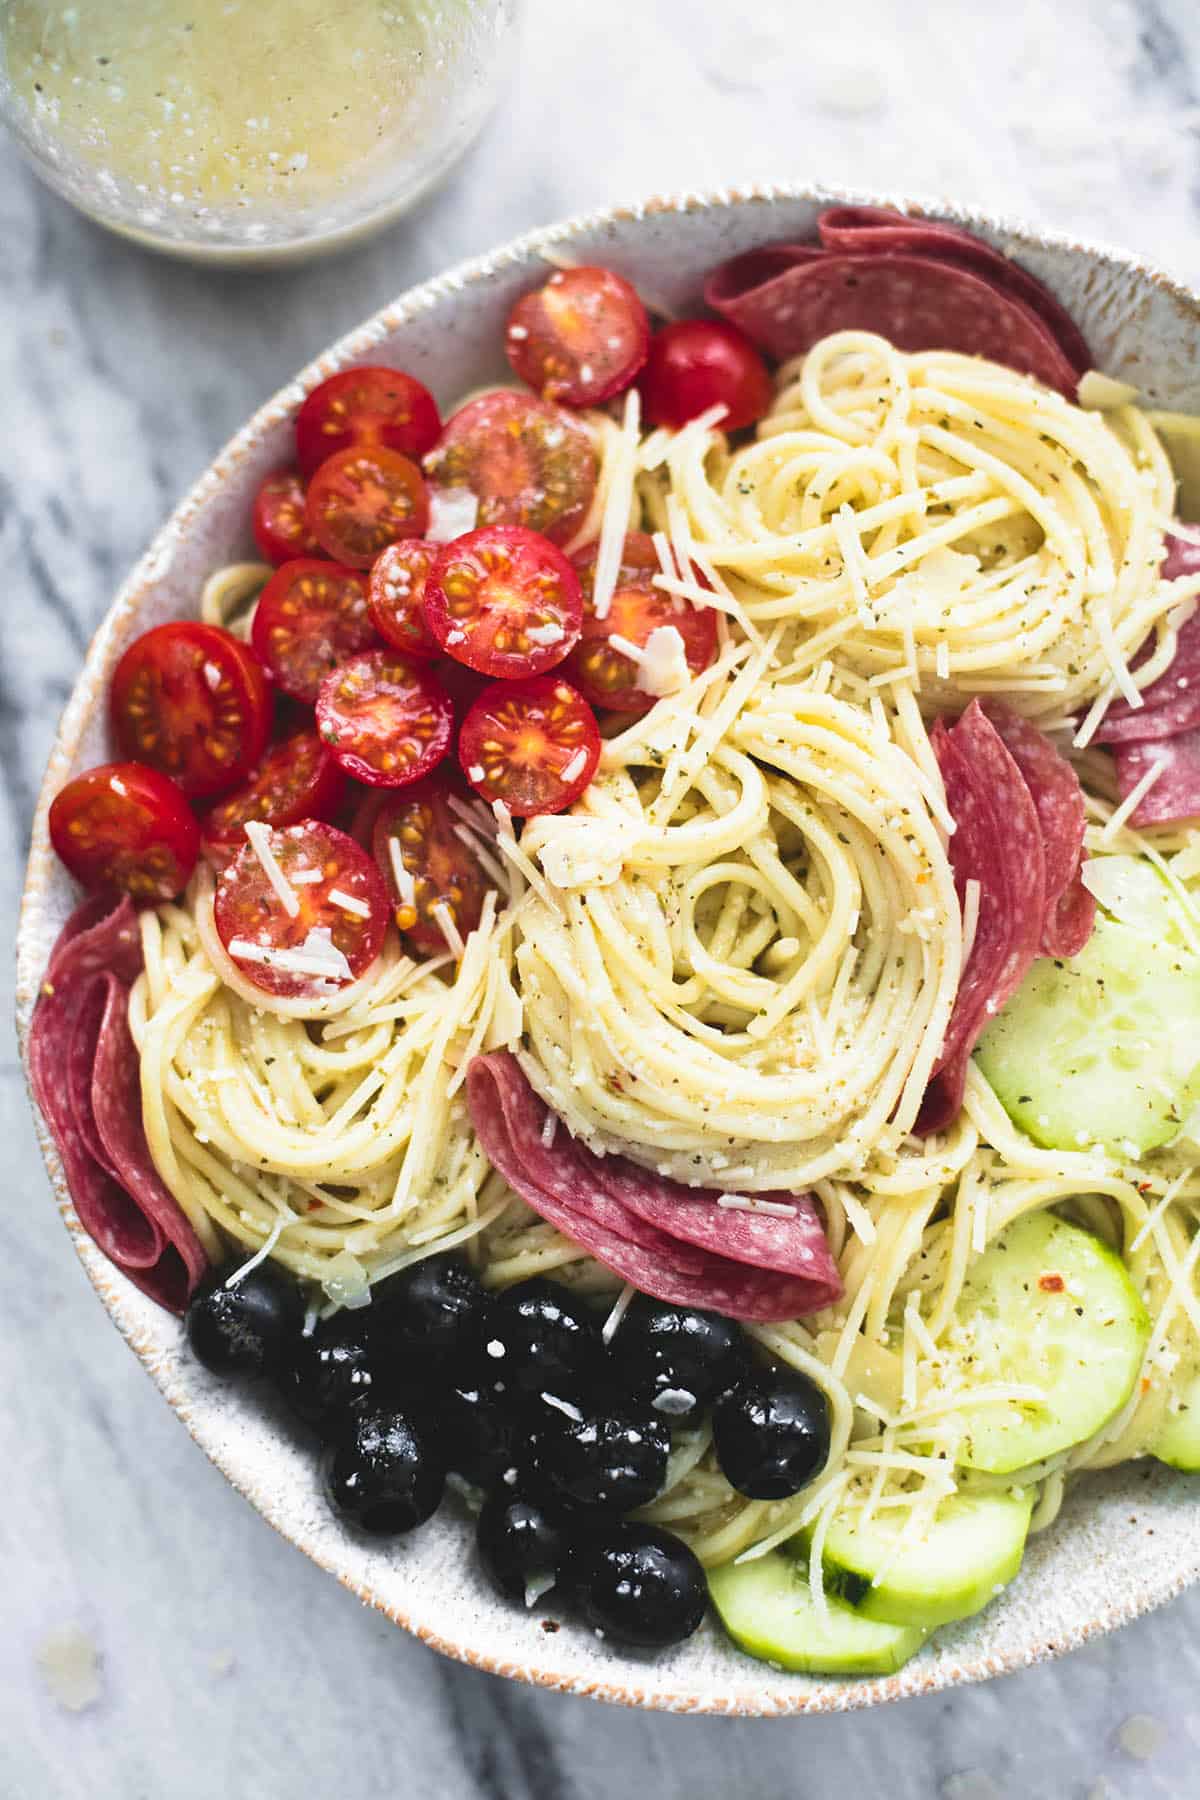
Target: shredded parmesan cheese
1131 802
621 469
260 842
348 903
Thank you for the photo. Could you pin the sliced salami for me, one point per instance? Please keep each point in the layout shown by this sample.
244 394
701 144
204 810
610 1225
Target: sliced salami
921 286
790 1244
877 229
1181 556
1171 704
997 842
117 1109
98 937
560 1180
1175 792
83 1072
1070 911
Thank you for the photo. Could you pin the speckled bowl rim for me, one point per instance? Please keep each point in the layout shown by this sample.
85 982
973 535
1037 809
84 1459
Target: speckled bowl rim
768 1696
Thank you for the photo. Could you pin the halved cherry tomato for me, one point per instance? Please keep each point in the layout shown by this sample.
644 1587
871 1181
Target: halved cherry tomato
297 779
440 870
386 719
336 926
366 406
396 592
128 827
527 462
193 702
310 617
504 601
280 530
532 744
364 499
580 338
698 363
604 676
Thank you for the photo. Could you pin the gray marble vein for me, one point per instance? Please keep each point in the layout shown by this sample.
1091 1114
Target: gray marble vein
227 1664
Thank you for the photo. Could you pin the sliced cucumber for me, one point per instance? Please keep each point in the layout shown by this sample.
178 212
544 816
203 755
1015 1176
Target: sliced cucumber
1102 1049
971 1550
1133 892
768 1610
1180 433
1050 1307
1178 1440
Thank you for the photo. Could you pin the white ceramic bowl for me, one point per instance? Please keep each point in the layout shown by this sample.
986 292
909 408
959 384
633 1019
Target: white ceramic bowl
1125 1541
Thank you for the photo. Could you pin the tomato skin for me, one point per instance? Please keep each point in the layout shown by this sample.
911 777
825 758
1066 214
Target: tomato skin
363 499
697 363
127 827
372 405
385 718
606 678
527 462
193 702
491 588
310 616
443 870
580 338
247 909
396 595
533 744
280 529
296 779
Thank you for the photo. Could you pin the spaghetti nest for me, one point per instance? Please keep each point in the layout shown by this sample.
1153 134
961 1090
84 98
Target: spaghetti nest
742 966
344 1144
936 520
735 959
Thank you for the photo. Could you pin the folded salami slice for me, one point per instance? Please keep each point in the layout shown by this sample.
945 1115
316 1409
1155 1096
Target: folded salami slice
560 1180
920 286
1172 703
789 1244
1070 911
876 228
1175 792
997 842
83 1068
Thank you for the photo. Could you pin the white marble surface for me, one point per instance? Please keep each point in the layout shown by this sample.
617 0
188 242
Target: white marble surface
228 1665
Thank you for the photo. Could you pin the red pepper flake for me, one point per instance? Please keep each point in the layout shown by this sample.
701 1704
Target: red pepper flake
1051 1284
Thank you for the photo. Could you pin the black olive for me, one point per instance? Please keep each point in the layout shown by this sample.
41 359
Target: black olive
772 1433
434 1308
678 1357
477 1431
383 1471
542 1339
523 1542
243 1327
329 1373
639 1585
606 1455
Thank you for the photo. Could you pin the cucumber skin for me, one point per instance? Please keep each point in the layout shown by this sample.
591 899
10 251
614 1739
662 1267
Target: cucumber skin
1040 1237
1178 1442
899 1602
745 1595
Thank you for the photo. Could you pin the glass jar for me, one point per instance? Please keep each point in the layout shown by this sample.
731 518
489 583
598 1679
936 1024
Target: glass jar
249 130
